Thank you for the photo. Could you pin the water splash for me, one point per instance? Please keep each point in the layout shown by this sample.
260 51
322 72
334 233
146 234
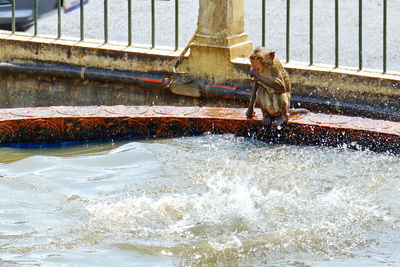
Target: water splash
253 208
208 200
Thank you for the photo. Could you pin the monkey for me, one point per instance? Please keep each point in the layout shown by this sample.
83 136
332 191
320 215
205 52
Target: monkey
271 88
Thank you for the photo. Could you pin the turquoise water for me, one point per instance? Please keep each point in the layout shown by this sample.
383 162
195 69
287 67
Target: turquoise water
212 200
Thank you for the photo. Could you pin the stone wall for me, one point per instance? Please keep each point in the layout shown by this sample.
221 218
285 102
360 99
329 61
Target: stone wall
218 54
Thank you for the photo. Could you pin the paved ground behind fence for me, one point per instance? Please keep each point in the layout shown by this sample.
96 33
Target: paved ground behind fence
324 31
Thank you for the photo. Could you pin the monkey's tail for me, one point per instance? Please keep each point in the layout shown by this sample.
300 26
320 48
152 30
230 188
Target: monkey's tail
184 51
293 111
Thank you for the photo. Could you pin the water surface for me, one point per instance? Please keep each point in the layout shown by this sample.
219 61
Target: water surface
214 199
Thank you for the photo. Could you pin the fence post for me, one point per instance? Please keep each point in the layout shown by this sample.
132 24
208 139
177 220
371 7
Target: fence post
263 28
59 4
176 24
82 20
384 36
13 16
105 21
311 32
336 33
360 34
129 22
153 23
36 17
287 31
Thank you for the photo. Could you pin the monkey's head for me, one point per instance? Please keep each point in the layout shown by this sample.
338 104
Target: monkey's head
261 58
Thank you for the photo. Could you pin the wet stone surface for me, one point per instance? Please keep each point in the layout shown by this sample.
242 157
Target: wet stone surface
68 123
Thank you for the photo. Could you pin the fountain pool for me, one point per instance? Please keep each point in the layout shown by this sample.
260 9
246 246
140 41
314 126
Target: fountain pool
212 199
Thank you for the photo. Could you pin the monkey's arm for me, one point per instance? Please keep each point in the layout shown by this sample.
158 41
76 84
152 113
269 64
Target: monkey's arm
276 84
250 109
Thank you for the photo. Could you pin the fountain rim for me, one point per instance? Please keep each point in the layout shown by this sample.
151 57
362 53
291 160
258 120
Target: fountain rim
84 123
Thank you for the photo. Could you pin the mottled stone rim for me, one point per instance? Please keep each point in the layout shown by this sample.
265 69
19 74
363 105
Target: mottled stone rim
83 123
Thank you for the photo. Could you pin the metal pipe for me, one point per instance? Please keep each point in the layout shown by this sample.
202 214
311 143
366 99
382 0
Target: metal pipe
176 25
82 20
336 33
105 21
287 31
36 17
153 24
13 16
360 31
59 19
129 22
384 36
263 23
311 32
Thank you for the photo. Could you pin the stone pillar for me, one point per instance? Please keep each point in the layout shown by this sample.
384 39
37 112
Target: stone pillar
219 39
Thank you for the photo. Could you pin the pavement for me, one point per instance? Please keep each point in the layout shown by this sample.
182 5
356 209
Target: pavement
324 28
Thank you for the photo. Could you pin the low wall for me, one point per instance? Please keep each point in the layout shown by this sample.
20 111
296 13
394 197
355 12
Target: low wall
28 88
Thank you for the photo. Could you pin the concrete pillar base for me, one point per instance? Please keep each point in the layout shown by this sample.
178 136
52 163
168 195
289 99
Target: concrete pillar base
211 57
219 39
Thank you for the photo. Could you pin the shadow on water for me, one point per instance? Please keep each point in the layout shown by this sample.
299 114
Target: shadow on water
208 200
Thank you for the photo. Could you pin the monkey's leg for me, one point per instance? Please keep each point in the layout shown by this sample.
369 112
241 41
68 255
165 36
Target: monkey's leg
281 106
279 121
264 100
267 119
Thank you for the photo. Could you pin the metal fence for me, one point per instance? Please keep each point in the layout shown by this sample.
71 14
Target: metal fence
129 9
336 29
263 16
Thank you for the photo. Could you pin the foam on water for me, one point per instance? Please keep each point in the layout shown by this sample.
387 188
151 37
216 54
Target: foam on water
231 215
204 200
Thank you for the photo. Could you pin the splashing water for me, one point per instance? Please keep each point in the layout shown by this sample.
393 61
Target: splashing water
210 200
